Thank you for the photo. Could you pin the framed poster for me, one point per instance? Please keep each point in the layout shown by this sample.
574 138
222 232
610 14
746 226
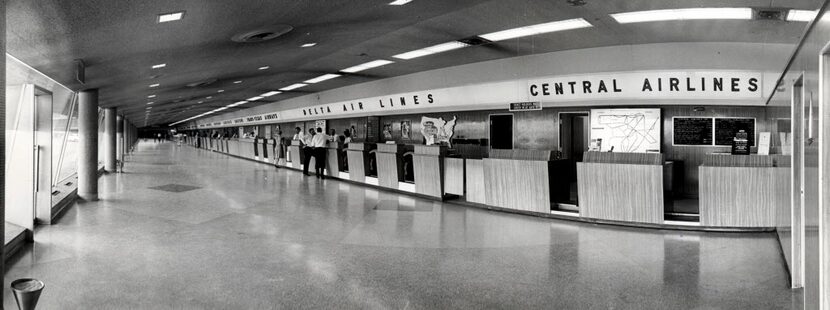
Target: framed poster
627 130
406 130
387 131
692 130
727 127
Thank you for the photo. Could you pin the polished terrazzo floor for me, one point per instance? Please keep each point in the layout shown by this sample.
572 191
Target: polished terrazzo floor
190 229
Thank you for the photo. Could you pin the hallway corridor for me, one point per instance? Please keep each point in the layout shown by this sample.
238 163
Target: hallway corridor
184 228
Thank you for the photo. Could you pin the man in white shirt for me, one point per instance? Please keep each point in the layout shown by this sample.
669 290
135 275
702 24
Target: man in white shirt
318 142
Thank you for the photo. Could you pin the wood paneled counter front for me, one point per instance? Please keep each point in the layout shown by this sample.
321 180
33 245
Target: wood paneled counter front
358 157
428 162
625 187
390 164
334 156
518 179
742 190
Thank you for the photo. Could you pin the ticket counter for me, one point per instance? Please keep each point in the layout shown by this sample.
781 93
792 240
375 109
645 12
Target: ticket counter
743 190
390 164
624 187
334 158
358 156
502 172
296 151
428 164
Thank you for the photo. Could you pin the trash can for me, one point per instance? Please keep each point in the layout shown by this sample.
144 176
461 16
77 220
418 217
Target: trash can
27 292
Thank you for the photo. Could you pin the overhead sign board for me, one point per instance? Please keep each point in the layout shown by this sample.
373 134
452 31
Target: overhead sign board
525 106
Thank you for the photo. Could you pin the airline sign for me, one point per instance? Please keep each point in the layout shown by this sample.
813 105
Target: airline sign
713 87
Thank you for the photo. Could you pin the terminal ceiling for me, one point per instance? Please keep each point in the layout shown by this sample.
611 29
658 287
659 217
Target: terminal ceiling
119 41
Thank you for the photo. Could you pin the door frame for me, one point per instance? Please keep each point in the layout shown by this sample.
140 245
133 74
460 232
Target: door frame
512 129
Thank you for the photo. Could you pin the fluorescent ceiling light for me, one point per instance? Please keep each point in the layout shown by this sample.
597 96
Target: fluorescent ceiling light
271 93
293 86
200 102
801 15
237 103
432 50
159 66
366 66
309 44
220 91
561 25
264 68
169 17
322 78
400 2
254 98
151 102
151 96
154 85
209 97
683 14
237 82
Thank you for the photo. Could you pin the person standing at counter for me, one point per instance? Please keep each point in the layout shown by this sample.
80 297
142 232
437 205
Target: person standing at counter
318 142
308 150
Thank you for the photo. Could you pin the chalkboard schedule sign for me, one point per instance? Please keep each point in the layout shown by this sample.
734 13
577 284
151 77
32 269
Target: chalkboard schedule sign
726 128
692 130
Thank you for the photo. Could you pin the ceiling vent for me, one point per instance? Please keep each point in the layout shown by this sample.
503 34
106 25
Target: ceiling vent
262 34
202 83
770 14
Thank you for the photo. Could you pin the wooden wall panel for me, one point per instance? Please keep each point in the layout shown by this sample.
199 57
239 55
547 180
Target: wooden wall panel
474 176
739 196
503 189
428 175
621 192
454 176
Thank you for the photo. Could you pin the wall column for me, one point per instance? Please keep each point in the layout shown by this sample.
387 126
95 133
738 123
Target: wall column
119 138
109 139
88 141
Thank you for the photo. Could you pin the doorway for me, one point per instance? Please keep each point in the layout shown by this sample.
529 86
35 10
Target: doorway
574 138
501 131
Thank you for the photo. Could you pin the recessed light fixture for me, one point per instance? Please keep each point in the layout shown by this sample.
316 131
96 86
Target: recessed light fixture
154 85
209 97
200 102
682 14
237 82
271 93
561 25
264 68
400 2
151 102
254 98
366 66
169 17
159 66
432 50
151 96
309 44
293 86
321 78
801 15
220 91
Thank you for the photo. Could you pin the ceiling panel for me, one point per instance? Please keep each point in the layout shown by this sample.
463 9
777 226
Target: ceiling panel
119 40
